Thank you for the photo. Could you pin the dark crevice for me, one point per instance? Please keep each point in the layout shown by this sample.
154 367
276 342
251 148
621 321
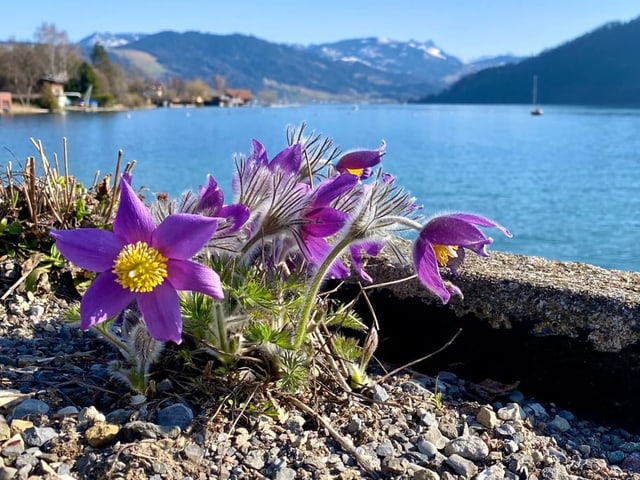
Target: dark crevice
598 386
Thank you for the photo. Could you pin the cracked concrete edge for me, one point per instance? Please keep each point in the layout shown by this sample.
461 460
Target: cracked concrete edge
549 297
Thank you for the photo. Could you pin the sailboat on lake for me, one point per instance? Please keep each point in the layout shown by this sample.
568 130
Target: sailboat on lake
536 110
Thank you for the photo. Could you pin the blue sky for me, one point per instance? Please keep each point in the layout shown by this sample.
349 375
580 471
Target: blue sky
464 28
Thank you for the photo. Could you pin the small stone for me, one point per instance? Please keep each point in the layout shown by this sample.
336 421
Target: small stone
379 393
434 436
8 473
494 472
616 457
285 473
5 430
176 415
193 452
462 466
510 446
38 436
487 417
632 462
560 424
13 447
506 430
254 459
68 411
31 406
425 474
427 448
537 409
101 434
19 426
356 425
554 472
90 415
385 449
469 447
512 411
295 424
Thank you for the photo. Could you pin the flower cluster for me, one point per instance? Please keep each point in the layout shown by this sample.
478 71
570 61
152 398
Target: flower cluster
307 213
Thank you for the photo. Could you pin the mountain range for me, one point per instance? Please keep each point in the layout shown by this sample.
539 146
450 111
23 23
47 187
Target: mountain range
368 69
598 68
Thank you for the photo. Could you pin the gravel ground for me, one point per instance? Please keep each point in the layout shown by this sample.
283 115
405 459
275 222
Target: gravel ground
63 416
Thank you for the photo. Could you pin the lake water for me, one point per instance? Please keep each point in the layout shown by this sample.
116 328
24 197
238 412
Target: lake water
567 184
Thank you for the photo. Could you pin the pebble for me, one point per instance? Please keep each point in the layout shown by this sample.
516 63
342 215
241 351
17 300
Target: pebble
38 436
28 407
176 415
101 434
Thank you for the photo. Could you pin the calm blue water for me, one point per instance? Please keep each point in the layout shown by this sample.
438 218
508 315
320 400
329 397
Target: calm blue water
567 184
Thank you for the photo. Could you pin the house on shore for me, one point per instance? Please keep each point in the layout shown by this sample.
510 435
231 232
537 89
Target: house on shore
233 97
5 102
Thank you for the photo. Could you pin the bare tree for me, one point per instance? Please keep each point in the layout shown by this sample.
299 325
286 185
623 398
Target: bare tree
22 67
62 57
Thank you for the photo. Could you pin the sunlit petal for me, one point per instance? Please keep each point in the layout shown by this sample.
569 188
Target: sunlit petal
183 235
161 312
104 299
188 275
133 221
89 248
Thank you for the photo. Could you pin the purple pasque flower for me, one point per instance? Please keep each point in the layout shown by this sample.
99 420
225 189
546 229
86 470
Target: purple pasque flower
257 177
359 162
442 243
211 203
142 262
320 220
288 160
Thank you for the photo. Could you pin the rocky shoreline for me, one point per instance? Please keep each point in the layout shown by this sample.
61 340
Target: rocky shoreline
62 416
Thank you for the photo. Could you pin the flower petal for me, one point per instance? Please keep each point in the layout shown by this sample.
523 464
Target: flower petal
288 160
324 221
360 159
89 248
161 312
332 188
258 153
182 235
315 249
371 248
426 266
188 275
481 222
455 231
211 197
236 214
103 299
338 270
133 220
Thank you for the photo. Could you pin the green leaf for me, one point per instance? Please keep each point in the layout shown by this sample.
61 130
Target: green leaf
346 347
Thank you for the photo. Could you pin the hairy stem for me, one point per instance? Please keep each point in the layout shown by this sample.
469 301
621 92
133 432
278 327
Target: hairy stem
314 288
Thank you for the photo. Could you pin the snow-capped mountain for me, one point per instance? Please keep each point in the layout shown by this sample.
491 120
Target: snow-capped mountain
423 60
110 40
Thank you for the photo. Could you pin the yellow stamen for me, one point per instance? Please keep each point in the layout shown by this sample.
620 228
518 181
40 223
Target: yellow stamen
140 268
356 171
444 253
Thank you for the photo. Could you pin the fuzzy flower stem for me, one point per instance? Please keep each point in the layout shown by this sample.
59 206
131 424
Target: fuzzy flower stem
104 330
314 288
219 320
407 222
